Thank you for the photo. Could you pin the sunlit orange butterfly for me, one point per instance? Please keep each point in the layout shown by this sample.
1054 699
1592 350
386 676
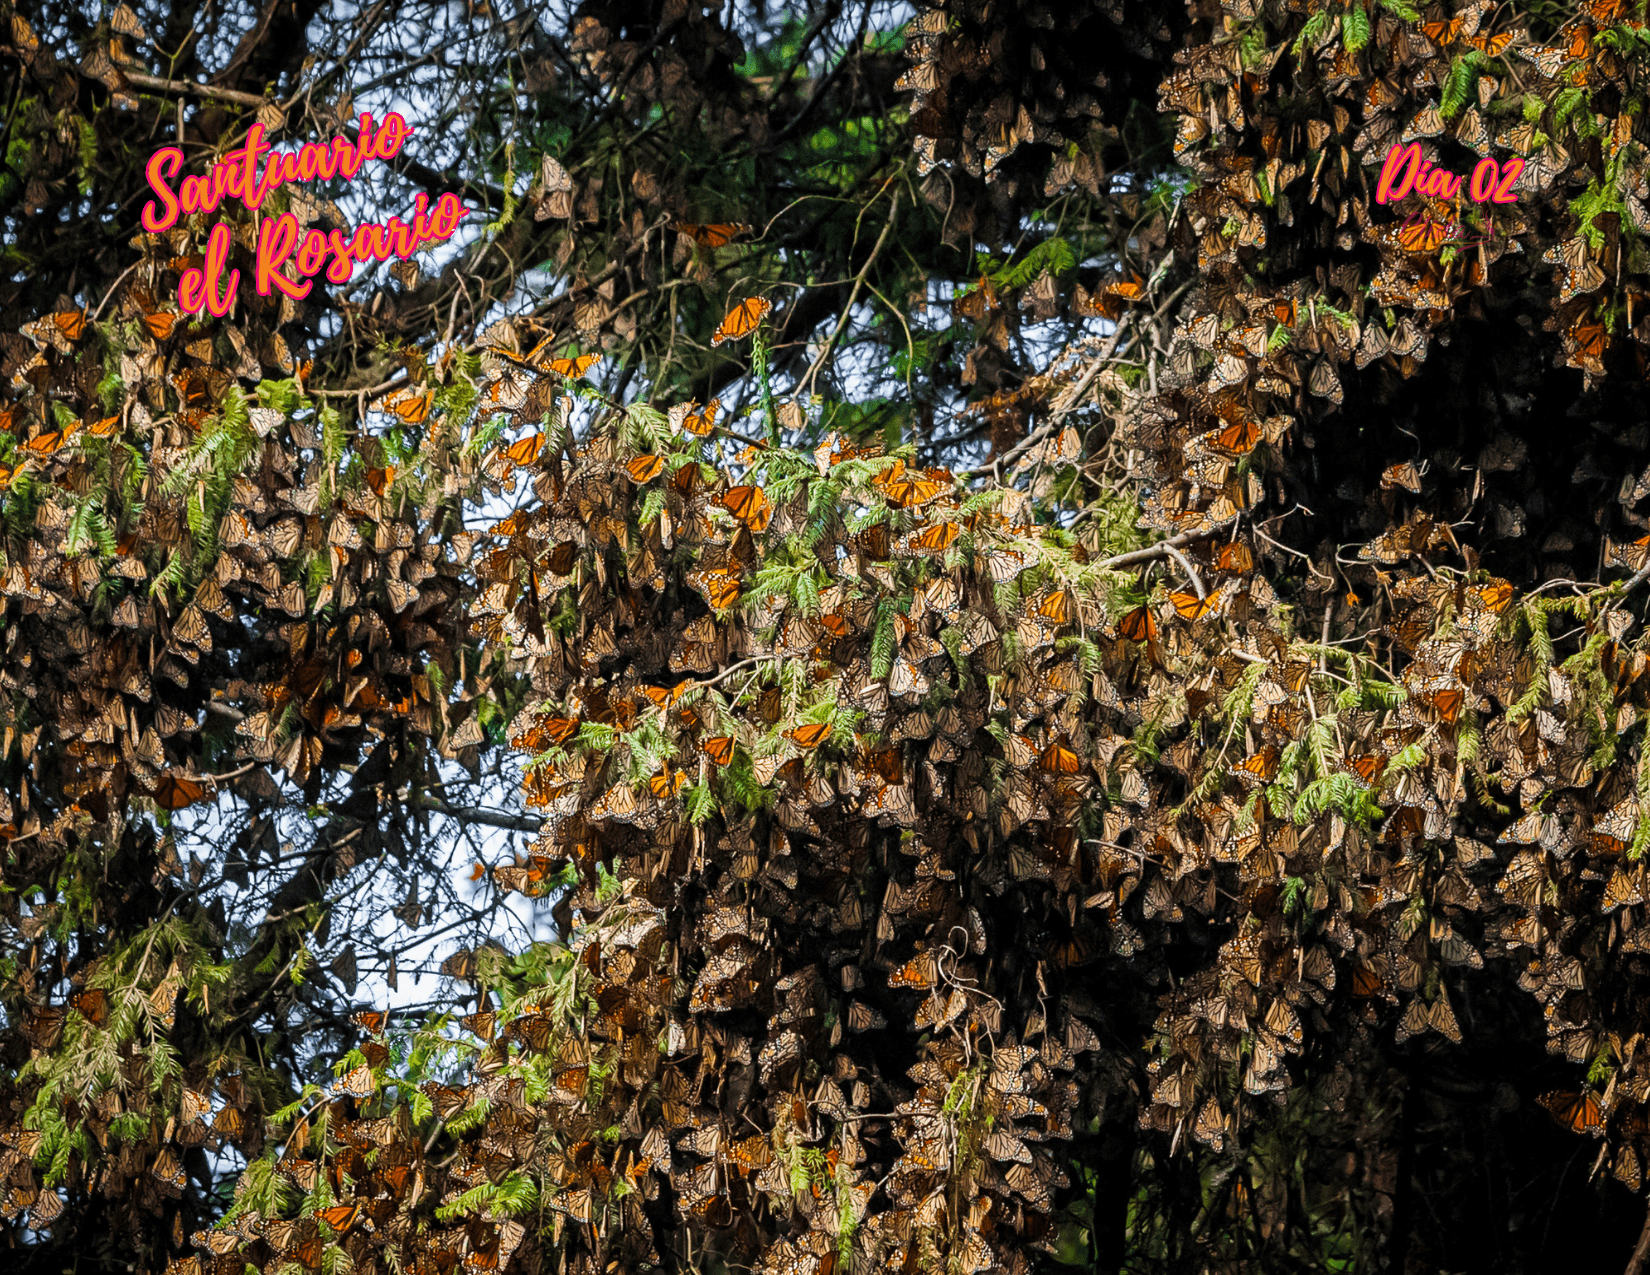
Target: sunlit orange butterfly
573 368
741 321
810 736
1442 32
665 696
524 451
667 783
719 749
1056 607
411 405
1236 557
371 1020
1496 596
645 468
936 537
1057 759
341 1217
715 235
44 444
721 588
906 487
1238 438
1368 767
1424 233
1446 703
66 325
749 505
694 422
1188 606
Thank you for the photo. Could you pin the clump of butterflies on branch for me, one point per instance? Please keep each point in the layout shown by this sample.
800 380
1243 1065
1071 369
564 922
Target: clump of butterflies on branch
1499 768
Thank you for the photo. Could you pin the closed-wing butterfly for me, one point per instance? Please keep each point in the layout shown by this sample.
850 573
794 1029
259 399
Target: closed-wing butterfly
742 320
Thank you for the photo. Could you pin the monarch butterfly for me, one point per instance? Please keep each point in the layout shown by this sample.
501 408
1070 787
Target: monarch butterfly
1496 596
645 468
721 588
1056 607
45 444
1446 703
667 783
573 368
1424 233
716 235
809 736
1138 626
936 538
1260 766
686 416
904 488
411 405
1057 759
357 1083
523 451
160 323
741 321
1191 607
341 1217
719 749
1368 768
174 791
370 1020
57 329
1236 557
749 505
1577 1112
92 1005
1238 439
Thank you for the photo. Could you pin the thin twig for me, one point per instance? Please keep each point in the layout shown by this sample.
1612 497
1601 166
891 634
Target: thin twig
1186 566
190 89
1164 548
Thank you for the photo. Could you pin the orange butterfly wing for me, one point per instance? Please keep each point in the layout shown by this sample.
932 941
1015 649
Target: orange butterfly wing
1188 606
810 736
645 468
524 451
340 1217
573 368
1138 625
716 235
719 749
742 320
750 506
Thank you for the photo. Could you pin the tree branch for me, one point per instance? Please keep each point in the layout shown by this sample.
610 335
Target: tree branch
473 814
